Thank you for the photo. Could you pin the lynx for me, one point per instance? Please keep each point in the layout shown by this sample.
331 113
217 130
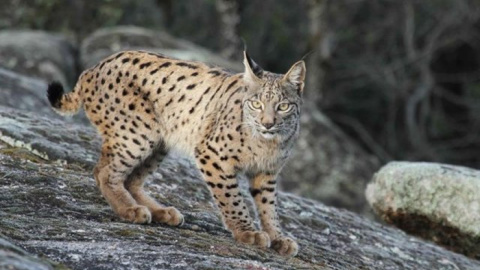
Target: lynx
145 104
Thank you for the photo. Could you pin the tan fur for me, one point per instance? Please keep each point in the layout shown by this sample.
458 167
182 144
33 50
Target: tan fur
145 104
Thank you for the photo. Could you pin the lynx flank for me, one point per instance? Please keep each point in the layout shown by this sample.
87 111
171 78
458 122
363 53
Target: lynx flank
145 104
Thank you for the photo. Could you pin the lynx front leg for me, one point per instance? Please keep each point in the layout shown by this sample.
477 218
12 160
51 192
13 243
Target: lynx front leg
222 182
263 190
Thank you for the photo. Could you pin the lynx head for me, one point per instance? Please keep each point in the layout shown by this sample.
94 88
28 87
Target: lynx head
271 107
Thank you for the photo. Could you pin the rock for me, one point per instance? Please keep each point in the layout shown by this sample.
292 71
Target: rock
22 92
13 257
438 202
105 42
19 130
53 207
39 54
328 166
25 93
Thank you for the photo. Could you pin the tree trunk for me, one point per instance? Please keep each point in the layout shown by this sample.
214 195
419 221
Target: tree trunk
320 48
230 19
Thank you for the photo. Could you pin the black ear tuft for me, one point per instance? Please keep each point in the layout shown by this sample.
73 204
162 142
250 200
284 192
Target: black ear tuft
256 69
55 93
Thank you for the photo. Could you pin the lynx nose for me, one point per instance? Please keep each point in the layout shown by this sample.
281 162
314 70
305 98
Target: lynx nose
268 125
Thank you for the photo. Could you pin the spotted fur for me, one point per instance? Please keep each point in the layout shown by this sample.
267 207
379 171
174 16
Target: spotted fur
145 104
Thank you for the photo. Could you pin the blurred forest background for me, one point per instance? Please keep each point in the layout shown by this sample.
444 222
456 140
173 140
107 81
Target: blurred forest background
400 78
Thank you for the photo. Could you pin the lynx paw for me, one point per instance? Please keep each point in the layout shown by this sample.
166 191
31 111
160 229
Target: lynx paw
168 215
285 246
137 214
256 238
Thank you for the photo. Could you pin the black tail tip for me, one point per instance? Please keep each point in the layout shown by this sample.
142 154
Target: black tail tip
55 93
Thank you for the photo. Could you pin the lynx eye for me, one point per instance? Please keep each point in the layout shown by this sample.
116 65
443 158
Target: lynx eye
283 107
255 104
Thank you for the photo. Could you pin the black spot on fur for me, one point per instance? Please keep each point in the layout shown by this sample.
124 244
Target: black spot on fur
183 64
135 141
142 66
232 186
212 149
231 85
55 93
214 72
255 192
211 184
164 65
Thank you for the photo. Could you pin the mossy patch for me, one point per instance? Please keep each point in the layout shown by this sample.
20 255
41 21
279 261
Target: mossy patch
127 233
45 195
21 153
85 138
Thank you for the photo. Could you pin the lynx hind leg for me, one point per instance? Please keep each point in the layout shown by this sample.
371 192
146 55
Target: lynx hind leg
135 183
110 173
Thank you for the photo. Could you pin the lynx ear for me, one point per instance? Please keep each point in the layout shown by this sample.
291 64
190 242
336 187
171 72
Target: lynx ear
296 75
253 72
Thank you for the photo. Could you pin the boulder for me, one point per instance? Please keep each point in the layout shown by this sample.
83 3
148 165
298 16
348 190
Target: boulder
50 205
437 202
107 41
39 54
